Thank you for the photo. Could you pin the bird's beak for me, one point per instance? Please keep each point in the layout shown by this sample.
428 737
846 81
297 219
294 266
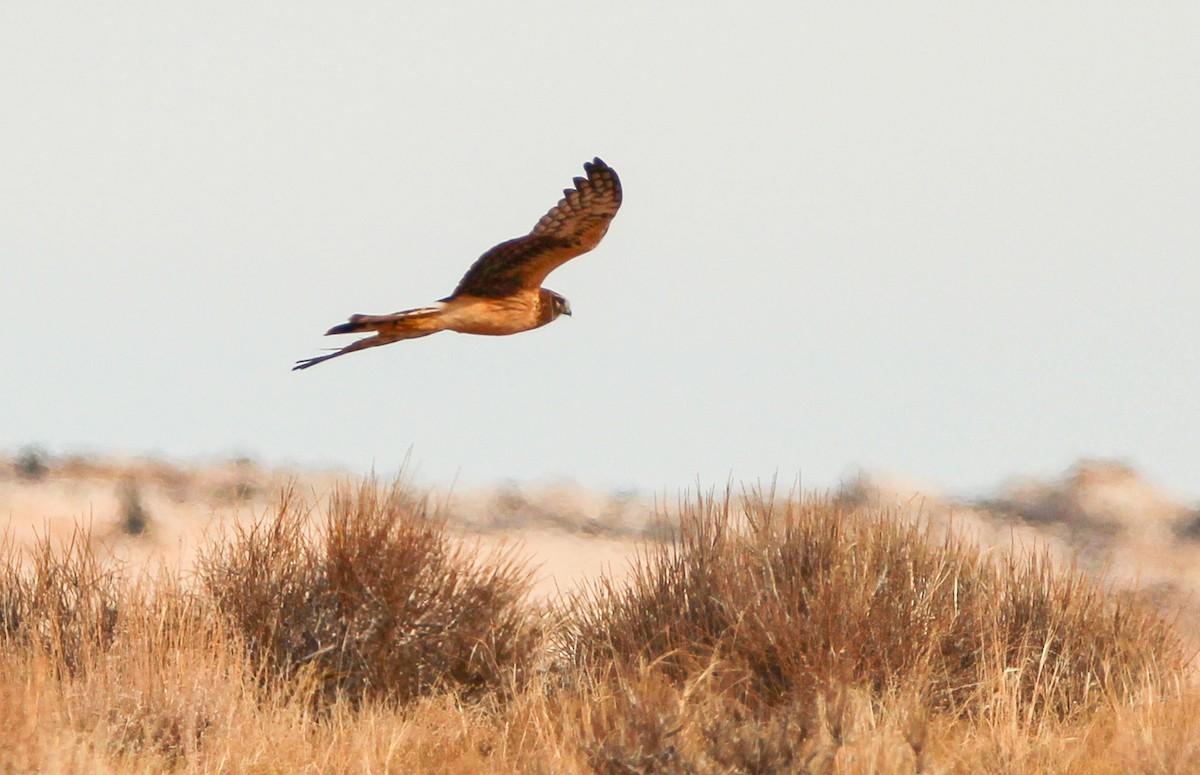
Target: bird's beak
567 310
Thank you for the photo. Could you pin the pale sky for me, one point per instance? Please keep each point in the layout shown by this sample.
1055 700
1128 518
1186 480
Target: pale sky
953 241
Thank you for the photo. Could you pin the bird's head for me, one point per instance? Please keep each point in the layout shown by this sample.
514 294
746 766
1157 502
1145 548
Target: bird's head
556 304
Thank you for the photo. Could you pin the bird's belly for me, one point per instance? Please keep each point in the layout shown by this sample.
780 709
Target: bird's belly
491 317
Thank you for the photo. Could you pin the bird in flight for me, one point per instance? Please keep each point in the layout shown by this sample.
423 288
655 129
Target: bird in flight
501 293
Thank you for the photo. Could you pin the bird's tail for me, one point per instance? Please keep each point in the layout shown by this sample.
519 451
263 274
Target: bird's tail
413 322
409 324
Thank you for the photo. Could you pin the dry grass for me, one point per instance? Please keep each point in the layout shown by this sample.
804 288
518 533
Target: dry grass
797 637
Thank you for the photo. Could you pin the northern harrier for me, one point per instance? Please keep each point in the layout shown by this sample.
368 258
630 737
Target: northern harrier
501 293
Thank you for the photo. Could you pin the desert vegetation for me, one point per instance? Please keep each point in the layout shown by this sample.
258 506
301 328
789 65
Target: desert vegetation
357 633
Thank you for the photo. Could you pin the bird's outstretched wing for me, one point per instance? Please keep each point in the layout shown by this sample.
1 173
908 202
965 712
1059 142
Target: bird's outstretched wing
574 226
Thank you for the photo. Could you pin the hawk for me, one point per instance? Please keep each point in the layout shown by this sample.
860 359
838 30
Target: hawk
501 293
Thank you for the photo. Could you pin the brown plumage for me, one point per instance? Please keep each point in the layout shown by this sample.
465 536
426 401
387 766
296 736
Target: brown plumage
501 293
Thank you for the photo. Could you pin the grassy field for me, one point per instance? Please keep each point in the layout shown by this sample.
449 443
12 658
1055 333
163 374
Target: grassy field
359 634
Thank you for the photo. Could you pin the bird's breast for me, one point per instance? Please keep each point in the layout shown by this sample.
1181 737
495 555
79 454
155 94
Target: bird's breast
492 317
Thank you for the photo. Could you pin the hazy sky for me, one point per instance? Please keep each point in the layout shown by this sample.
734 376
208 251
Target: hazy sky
956 241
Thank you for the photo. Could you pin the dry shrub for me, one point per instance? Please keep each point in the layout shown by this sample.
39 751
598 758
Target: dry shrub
135 519
632 725
375 603
793 602
59 598
32 464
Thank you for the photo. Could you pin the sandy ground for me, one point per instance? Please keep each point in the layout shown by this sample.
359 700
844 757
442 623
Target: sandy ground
563 561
